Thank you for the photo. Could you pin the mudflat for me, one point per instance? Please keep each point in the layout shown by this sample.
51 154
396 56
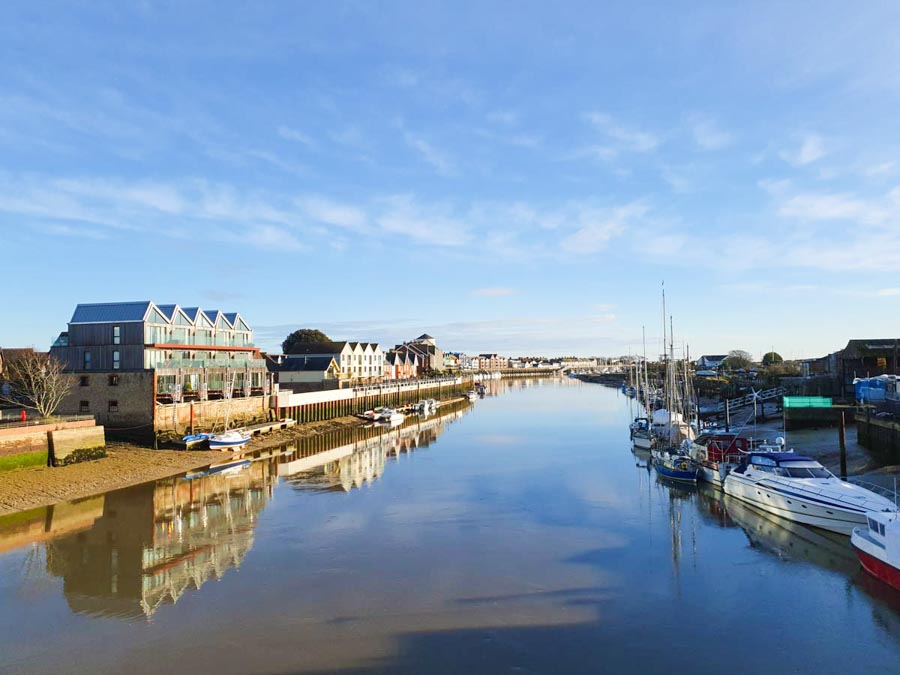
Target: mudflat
125 465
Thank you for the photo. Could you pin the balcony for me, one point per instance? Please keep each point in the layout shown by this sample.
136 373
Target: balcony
174 364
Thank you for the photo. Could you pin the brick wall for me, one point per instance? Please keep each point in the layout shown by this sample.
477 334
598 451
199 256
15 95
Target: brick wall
125 402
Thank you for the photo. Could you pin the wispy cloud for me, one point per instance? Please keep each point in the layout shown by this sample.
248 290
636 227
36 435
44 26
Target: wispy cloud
811 149
439 160
428 224
708 135
630 138
496 292
598 226
834 206
271 237
330 212
290 134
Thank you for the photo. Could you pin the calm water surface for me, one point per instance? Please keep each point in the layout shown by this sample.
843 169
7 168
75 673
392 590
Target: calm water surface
515 535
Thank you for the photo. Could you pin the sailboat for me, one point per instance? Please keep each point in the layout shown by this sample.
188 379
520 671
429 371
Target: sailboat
229 439
674 433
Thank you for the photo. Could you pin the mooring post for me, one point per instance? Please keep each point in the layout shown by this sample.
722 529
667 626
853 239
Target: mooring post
842 437
727 417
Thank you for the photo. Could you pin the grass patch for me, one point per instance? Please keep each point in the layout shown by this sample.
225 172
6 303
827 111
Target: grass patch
10 462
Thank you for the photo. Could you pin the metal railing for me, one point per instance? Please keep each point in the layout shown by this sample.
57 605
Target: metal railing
12 423
881 490
175 364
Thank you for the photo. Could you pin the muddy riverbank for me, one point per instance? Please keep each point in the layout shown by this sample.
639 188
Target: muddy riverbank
126 465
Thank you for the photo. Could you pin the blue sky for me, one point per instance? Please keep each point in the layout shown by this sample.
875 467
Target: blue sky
507 176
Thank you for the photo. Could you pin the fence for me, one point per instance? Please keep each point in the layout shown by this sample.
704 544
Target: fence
14 422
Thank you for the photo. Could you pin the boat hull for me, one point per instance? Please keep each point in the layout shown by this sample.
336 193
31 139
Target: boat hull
676 474
794 506
642 442
871 557
714 472
227 445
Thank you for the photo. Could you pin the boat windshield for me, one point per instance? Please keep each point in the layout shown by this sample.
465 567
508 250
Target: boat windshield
791 470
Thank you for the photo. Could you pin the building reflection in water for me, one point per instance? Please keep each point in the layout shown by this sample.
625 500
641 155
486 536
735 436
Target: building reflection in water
156 541
354 457
128 552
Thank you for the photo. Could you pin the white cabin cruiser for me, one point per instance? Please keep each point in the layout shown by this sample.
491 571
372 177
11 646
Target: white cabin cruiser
800 489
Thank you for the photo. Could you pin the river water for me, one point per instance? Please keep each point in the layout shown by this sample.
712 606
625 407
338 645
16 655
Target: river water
518 534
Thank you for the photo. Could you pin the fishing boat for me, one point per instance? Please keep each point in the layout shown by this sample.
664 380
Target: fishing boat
800 489
878 546
229 440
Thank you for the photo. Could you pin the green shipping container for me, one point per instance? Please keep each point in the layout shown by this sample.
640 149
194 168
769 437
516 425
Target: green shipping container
807 402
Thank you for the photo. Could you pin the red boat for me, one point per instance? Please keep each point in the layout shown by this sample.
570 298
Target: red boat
878 546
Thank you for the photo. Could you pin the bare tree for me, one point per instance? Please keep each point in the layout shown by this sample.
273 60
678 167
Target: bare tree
36 381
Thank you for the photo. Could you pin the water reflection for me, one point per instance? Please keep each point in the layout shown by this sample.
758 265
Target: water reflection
154 542
130 551
529 542
792 541
358 455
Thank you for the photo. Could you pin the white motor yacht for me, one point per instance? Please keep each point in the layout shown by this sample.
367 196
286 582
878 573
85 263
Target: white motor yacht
800 489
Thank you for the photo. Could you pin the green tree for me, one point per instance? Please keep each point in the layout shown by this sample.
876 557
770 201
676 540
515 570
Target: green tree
738 358
303 336
771 359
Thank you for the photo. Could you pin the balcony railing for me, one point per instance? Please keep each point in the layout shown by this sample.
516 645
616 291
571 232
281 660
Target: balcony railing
218 342
210 363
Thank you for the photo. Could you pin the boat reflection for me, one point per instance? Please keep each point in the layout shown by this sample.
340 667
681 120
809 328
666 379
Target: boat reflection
792 541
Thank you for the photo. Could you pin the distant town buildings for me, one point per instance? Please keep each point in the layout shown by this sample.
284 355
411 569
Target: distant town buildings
358 362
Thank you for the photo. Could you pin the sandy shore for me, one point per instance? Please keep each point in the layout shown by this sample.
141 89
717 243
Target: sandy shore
29 488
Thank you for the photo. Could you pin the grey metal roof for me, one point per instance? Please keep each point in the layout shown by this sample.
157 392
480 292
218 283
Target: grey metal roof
307 363
317 348
107 312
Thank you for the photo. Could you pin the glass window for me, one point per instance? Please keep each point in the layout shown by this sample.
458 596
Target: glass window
117 335
113 380
87 360
84 406
116 360
113 406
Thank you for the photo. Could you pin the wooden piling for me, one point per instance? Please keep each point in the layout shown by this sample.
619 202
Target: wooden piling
842 434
